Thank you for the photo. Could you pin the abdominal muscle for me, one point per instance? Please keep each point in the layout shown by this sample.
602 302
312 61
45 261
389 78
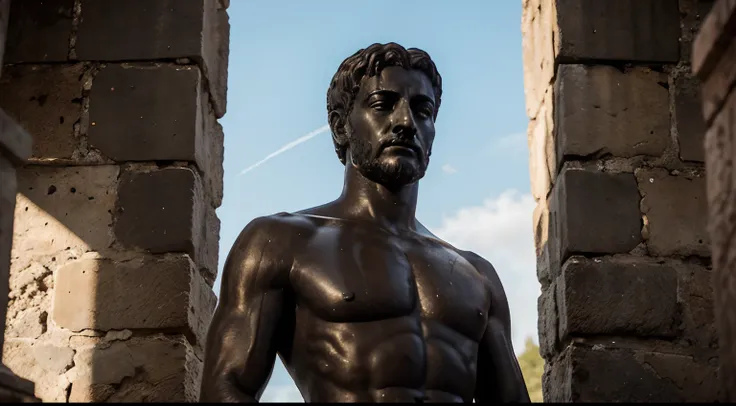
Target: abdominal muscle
394 360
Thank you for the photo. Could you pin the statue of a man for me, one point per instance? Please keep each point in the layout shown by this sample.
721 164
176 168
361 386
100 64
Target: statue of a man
361 302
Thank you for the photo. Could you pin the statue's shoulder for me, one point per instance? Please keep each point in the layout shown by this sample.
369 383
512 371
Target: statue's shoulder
281 227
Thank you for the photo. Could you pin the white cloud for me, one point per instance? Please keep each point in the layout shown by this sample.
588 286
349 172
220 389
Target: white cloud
510 144
446 168
500 230
282 394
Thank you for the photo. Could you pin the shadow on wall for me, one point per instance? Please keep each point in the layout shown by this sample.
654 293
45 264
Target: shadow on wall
115 237
89 320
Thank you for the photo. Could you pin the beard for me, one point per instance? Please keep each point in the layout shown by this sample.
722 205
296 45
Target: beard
391 173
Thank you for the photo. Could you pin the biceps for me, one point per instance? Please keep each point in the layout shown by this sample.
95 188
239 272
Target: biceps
241 344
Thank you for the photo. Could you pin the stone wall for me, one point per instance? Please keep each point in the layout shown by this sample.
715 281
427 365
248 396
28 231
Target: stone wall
116 238
15 148
616 162
714 60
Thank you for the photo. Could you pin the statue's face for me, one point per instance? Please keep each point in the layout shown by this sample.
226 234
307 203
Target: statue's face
391 127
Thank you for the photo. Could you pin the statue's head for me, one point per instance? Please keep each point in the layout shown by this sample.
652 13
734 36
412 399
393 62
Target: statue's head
381 107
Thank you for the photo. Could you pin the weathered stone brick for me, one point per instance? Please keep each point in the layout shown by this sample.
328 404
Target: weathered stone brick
689 119
546 242
542 159
8 187
208 242
209 154
43 363
720 143
676 209
145 292
4 20
621 30
692 14
599 374
617 296
695 292
39 31
159 29
46 100
602 110
164 211
596 212
144 113
538 32
14 140
548 321
142 369
72 204
718 84
714 36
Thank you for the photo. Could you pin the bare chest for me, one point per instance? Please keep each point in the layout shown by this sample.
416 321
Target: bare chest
362 276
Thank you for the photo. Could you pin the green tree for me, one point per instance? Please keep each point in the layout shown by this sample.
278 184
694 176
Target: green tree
532 367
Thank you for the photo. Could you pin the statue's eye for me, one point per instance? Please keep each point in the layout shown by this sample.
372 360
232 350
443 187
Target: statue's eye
425 112
381 105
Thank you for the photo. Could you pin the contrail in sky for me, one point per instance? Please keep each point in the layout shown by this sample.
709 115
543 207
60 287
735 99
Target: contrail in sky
287 147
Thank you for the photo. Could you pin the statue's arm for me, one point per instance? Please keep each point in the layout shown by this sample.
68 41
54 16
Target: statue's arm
241 345
498 376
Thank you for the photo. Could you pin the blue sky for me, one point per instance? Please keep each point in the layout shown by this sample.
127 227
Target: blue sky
476 191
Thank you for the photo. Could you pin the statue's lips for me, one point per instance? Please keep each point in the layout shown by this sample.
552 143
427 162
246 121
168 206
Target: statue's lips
402 148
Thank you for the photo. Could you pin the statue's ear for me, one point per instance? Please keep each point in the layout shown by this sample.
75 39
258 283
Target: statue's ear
337 125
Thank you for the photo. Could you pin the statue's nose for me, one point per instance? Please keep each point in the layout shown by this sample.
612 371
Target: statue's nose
404 124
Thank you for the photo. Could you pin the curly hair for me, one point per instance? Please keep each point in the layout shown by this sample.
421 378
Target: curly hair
370 62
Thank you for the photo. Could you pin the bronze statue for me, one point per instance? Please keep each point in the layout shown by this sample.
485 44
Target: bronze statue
361 302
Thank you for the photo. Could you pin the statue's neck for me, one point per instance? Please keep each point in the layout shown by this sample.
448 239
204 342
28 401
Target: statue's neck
364 199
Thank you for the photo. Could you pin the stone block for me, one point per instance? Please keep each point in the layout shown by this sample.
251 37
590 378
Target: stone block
546 243
538 51
720 142
159 30
141 293
719 83
44 364
617 297
8 185
596 213
542 159
600 374
14 140
695 293
209 154
548 321
46 100
72 204
601 110
692 14
715 35
676 212
621 30
39 31
145 113
164 211
161 368
4 20
30 294
208 242
688 119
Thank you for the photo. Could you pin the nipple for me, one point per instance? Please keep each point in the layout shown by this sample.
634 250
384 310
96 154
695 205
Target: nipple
348 297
